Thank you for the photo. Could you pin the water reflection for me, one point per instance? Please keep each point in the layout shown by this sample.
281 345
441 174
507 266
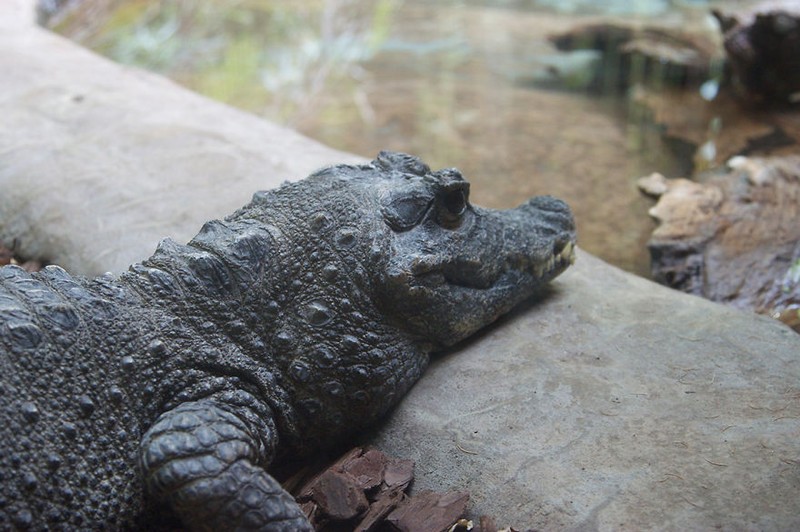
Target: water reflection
473 84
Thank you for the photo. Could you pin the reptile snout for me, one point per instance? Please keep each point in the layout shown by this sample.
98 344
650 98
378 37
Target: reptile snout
550 216
552 209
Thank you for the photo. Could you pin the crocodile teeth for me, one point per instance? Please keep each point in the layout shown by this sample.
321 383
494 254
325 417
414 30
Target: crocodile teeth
567 253
565 256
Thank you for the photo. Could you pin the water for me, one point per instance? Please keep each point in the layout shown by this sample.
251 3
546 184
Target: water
470 84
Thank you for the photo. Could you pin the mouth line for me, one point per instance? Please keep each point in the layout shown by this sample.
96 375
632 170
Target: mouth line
539 270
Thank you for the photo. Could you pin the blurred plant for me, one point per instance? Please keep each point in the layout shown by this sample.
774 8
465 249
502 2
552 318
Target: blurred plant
336 41
258 54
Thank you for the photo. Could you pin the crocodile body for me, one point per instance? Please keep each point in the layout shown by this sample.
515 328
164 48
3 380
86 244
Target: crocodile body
294 322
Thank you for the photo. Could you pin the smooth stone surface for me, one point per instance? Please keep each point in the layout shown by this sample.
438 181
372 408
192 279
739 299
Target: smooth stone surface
613 404
101 161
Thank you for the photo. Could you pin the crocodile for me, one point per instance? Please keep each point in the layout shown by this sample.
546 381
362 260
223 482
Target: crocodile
169 391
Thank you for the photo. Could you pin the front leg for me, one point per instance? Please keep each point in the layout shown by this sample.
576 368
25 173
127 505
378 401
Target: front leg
205 459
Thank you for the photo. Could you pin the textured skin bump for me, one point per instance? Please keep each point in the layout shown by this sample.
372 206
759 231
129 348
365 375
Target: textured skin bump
167 392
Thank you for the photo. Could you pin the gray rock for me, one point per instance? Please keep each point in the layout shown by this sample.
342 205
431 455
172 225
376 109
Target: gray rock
613 404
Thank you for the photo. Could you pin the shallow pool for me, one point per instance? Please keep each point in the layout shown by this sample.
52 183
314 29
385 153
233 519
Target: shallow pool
471 84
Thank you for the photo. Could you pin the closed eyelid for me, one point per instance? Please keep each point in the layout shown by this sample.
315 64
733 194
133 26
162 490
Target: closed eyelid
407 210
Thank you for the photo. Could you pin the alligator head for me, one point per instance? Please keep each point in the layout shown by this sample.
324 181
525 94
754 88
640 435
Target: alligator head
442 268
451 267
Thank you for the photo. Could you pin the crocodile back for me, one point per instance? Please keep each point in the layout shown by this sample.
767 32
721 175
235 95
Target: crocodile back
68 423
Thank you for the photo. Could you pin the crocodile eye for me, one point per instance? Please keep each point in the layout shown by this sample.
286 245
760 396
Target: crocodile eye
452 205
405 210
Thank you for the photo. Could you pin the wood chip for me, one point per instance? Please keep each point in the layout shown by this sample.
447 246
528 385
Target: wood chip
338 496
383 506
398 473
428 510
364 490
367 469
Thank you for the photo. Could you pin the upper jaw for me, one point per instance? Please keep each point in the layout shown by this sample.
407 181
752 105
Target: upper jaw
470 274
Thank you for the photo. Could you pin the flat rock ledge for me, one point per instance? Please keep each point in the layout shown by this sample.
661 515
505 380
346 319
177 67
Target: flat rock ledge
612 404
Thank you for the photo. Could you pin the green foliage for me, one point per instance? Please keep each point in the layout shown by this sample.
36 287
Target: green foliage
255 54
234 77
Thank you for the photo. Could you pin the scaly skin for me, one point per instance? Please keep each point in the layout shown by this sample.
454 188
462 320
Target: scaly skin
296 321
